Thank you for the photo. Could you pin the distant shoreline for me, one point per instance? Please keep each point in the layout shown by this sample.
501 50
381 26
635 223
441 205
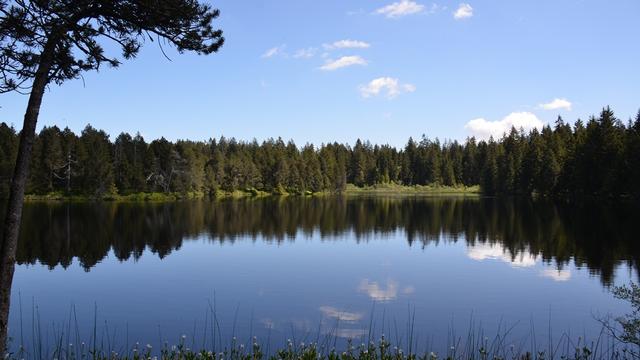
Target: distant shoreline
394 189
351 190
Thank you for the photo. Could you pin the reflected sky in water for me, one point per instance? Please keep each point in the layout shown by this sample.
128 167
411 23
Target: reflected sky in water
307 268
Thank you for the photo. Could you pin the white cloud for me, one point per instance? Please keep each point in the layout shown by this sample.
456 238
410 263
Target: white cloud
344 61
556 275
483 129
341 315
392 86
273 51
481 252
556 104
464 11
347 44
400 8
305 53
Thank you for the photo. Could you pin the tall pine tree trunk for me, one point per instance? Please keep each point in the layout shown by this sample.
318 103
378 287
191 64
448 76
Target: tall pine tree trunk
16 195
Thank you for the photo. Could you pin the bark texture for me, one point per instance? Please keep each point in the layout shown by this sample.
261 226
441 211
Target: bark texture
11 228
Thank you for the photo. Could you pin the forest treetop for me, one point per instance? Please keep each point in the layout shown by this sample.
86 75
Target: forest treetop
599 157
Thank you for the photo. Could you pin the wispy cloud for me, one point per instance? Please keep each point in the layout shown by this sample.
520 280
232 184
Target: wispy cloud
464 11
277 50
306 53
434 8
389 86
400 9
557 104
342 62
347 44
483 128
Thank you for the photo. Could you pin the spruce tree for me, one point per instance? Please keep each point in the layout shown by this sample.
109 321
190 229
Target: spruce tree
8 152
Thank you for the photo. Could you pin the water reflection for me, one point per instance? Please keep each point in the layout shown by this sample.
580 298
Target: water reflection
346 316
556 275
380 293
518 232
481 252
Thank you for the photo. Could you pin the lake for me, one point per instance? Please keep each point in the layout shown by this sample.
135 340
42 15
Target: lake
326 269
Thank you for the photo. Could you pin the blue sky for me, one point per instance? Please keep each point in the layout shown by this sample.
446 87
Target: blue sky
383 70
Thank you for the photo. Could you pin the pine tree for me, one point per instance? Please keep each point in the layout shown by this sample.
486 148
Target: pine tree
510 165
137 161
123 163
602 155
95 163
409 163
564 148
550 166
489 180
470 168
576 170
312 169
532 164
8 152
214 168
48 162
632 158
359 170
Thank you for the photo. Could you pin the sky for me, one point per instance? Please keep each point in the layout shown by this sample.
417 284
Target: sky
381 70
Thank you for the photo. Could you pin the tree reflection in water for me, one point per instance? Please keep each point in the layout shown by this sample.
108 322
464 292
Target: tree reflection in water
598 237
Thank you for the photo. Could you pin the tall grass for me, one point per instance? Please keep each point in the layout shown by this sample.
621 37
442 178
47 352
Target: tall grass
65 342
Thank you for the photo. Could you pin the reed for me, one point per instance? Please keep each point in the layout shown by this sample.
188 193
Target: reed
64 342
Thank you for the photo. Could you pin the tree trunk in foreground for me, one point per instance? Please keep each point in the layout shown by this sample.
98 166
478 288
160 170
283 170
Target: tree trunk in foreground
11 227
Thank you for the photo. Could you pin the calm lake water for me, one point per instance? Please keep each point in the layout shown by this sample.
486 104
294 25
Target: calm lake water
319 269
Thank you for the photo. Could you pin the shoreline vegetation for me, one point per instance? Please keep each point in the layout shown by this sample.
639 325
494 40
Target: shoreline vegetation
350 190
475 348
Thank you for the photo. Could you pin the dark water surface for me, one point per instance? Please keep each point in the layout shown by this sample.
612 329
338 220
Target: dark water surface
307 268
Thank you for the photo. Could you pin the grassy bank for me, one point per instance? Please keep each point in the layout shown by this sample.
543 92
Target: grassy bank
145 196
152 196
395 189
380 189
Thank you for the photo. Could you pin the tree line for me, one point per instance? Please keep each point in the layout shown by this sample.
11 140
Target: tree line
600 157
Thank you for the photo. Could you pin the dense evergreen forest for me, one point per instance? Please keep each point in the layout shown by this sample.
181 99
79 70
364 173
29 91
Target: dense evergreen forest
601 157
